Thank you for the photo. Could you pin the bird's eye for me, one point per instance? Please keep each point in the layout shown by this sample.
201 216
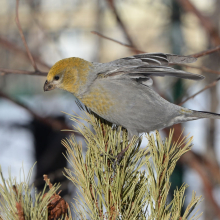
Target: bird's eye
56 77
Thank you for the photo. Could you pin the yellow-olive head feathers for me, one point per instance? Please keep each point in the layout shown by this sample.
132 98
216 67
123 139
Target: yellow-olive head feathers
68 74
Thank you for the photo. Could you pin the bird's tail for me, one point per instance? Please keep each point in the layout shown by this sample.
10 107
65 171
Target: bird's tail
190 115
201 114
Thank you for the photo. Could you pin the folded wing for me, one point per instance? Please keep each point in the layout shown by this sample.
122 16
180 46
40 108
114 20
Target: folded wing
140 67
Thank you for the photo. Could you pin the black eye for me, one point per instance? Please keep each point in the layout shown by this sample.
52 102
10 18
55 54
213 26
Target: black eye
56 77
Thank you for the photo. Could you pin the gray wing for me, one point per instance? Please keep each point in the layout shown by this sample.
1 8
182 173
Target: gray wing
140 67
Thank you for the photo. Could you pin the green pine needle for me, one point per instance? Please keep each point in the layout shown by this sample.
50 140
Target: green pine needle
135 187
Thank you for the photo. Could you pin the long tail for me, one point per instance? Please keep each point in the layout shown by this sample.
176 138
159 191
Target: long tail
201 114
190 115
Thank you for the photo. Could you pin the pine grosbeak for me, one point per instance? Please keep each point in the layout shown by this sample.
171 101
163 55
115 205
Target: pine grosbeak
120 91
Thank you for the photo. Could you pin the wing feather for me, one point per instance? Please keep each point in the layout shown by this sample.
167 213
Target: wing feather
140 67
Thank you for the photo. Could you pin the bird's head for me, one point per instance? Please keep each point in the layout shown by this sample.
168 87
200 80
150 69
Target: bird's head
68 74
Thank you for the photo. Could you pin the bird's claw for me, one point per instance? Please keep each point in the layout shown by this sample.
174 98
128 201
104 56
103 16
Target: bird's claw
119 157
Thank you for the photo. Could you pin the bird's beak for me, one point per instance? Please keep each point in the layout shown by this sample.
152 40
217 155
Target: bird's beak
48 86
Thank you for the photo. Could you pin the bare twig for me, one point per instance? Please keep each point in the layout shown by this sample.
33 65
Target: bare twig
205 21
112 5
53 123
206 52
202 68
25 72
14 48
196 55
116 41
211 166
202 90
23 38
123 28
194 163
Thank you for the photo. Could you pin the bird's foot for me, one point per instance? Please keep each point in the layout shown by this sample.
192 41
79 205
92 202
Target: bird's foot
119 157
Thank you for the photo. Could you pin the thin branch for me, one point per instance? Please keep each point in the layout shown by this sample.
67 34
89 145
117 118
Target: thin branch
112 5
13 47
194 163
53 123
202 90
196 55
202 68
23 38
205 21
212 167
24 72
116 41
121 24
206 52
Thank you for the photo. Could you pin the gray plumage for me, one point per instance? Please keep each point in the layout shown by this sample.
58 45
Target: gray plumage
120 91
139 108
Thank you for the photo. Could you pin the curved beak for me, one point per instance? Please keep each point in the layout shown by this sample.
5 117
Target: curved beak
48 86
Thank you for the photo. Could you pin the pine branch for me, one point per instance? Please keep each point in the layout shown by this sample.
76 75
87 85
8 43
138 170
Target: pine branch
134 188
17 201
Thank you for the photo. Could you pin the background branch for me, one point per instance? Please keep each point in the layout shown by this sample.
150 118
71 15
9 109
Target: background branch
205 21
25 72
206 52
202 90
23 38
53 123
202 68
196 55
194 163
118 42
14 48
122 26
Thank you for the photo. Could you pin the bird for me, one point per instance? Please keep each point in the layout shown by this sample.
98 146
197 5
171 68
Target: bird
121 91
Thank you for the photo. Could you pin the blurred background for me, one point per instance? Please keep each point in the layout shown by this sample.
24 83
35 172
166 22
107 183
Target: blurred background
31 120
